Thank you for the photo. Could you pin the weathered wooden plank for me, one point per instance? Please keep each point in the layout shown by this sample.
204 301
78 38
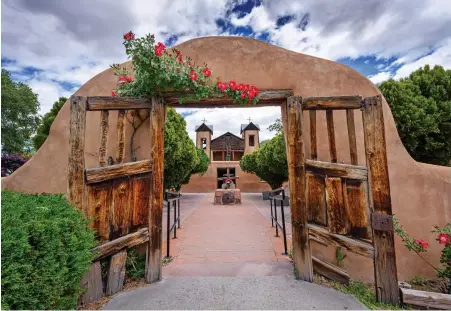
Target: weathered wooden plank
266 98
301 244
92 281
316 199
430 300
99 174
356 208
117 103
99 201
351 136
330 271
154 249
126 241
77 128
141 192
386 276
120 149
121 213
337 218
116 273
337 170
103 137
331 136
358 247
332 102
313 145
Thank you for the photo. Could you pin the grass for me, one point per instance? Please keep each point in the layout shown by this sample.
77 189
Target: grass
366 295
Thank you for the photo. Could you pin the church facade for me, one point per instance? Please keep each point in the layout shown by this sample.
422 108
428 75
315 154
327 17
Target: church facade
225 153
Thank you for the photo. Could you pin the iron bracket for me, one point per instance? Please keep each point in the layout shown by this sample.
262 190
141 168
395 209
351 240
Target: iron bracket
382 222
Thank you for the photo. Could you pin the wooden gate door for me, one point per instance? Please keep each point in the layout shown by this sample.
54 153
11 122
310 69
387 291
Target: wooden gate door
343 205
124 200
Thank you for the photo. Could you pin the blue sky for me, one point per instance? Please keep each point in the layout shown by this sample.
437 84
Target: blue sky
56 46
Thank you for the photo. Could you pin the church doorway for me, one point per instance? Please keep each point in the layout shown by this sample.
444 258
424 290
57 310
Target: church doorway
224 172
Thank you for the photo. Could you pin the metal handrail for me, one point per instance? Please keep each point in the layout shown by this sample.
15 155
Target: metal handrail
278 195
172 198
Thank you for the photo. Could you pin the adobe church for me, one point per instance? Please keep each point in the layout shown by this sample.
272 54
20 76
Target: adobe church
225 153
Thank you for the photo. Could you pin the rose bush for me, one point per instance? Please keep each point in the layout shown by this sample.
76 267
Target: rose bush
156 70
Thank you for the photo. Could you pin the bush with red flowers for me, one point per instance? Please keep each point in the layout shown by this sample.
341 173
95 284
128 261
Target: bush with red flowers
443 237
157 70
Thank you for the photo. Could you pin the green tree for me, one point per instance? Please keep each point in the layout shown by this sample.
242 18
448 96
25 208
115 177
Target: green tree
421 107
200 168
46 122
20 116
181 158
269 162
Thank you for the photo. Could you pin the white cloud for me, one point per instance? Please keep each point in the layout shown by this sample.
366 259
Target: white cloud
380 77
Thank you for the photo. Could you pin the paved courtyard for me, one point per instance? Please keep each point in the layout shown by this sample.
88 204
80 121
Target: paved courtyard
227 257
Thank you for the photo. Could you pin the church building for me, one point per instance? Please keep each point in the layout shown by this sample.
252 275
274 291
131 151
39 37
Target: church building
225 153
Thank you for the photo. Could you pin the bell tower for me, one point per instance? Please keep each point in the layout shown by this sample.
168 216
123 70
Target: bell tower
203 137
250 134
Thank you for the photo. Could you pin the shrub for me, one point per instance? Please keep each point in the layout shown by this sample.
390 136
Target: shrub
11 162
46 249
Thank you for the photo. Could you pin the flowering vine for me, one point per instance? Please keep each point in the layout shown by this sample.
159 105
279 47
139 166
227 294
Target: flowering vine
157 70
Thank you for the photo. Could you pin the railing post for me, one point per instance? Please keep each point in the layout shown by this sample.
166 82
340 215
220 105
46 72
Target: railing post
175 218
275 218
168 226
178 204
272 214
284 232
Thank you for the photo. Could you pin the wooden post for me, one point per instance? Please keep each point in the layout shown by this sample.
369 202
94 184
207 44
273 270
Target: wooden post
154 250
313 145
296 169
331 136
385 271
77 127
351 135
103 136
120 150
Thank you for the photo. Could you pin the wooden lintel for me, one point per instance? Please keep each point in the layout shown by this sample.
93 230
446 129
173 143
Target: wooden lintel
330 271
429 300
117 103
126 241
99 174
337 170
355 246
332 102
266 98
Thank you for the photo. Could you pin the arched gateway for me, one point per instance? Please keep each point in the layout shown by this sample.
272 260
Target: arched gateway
355 198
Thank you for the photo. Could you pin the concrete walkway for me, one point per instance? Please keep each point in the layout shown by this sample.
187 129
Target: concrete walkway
227 257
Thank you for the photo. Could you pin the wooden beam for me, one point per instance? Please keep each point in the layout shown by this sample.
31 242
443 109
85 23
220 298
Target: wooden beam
116 273
77 128
337 218
332 102
356 246
103 137
337 170
117 103
313 145
92 281
351 136
266 98
330 271
126 241
120 148
154 249
302 256
331 136
99 174
429 300
386 276
316 199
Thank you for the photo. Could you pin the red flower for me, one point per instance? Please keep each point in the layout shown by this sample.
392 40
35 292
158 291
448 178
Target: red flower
158 51
243 95
206 72
249 101
233 85
129 79
240 87
221 86
246 87
444 238
161 45
253 88
167 68
113 93
422 243
193 75
122 79
251 94
129 36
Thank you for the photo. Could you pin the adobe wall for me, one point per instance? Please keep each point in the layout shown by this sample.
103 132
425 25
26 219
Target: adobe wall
421 193
208 181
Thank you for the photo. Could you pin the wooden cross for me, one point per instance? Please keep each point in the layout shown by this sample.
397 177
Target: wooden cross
249 119
204 120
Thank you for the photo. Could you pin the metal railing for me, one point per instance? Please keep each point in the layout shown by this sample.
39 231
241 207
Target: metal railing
172 198
278 195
